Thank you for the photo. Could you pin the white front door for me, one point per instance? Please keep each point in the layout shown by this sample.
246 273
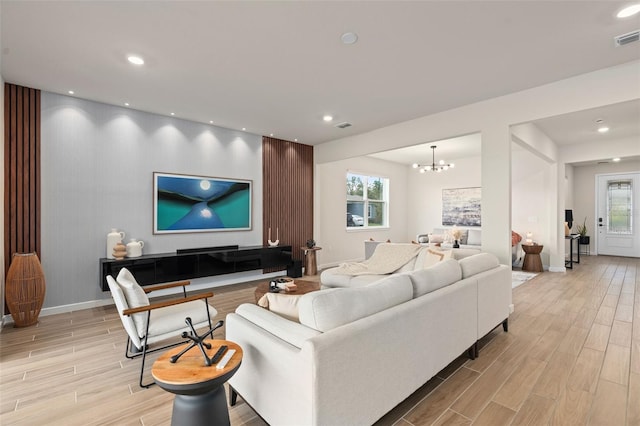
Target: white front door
618 214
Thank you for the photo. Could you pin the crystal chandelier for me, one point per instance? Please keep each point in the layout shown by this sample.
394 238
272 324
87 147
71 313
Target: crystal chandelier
433 167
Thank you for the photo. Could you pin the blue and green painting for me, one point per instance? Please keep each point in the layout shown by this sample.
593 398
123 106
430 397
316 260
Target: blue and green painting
192 203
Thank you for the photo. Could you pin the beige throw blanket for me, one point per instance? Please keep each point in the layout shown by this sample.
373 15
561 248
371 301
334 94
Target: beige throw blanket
387 258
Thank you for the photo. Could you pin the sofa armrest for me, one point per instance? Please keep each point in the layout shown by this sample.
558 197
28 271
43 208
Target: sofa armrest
494 298
291 332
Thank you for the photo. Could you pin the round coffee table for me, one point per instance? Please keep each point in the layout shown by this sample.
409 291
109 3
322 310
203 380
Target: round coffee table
303 287
200 397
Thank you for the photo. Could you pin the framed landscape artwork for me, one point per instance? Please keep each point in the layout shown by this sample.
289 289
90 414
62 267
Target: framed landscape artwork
461 206
186 203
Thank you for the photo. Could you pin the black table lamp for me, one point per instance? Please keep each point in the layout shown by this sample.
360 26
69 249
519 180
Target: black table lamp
568 217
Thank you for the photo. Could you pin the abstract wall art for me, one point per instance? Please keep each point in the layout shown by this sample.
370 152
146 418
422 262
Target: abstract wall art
461 206
187 203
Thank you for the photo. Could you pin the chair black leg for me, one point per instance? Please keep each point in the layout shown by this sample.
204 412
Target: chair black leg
233 396
505 325
144 357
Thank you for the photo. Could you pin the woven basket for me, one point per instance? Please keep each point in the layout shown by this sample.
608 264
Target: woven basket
25 289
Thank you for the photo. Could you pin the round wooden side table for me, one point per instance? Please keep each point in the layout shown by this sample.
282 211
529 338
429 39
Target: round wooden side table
532 261
303 287
200 398
310 263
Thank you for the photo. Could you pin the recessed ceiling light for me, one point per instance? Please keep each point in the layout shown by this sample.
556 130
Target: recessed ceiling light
71 92
210 121
349 38
629 11
244 128
295 140
327 118
615 159
603 129
271 134
126 104
136 60
173 113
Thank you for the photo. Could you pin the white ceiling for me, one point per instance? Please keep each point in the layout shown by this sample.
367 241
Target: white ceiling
278 67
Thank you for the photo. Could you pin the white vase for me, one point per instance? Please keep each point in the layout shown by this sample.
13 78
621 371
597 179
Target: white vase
113 238
134 248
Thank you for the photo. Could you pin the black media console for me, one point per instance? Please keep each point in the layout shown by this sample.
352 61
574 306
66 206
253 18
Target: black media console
186 264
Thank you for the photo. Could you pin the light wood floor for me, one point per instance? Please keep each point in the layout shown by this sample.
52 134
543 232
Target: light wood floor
571 356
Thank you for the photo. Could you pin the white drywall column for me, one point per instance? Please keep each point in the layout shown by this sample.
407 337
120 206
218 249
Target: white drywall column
496 191
556 221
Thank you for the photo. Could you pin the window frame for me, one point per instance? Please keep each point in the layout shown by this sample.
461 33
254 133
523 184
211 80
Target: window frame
368 204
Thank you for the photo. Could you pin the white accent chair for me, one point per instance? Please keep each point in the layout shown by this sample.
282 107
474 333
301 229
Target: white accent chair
167 321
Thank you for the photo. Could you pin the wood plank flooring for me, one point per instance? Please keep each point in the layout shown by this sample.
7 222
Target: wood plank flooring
571 357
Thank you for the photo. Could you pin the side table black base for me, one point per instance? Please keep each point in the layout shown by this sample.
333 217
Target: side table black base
206 409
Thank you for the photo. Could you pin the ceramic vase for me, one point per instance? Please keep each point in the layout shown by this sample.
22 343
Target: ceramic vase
134 248
113 238
119 251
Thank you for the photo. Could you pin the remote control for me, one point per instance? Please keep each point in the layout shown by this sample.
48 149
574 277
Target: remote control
223 362
218 354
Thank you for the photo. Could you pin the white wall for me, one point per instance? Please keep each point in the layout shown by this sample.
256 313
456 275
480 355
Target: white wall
493 119
424 204
339 244
584 190
97 173
531 208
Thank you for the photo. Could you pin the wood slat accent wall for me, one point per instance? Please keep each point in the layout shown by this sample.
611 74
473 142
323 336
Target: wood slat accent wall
21 171
287 172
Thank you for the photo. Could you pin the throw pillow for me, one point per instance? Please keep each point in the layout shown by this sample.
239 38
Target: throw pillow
436 238
135 296
432 257
284 305
423 239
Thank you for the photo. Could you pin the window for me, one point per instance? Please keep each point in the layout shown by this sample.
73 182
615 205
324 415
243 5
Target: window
367 201
619 206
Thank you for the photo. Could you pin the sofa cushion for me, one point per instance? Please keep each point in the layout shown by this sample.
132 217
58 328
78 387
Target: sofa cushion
474 237
437 276
285 305
328 309
478 263
135 296
462 253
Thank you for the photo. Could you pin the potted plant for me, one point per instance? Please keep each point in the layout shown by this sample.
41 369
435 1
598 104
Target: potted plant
582 230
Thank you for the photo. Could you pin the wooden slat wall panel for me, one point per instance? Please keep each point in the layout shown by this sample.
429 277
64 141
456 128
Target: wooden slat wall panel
287 171
21 171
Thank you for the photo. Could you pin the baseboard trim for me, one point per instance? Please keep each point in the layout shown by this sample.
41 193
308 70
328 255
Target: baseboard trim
557 269
63 309
196 285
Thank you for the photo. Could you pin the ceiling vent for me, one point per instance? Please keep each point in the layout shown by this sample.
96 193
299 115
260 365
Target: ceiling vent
627 38
343 125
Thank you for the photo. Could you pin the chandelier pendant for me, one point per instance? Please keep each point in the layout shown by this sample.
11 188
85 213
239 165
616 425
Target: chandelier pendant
433 167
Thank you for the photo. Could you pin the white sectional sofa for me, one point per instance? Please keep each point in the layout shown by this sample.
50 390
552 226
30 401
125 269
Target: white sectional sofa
335 277
358 352
470 238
